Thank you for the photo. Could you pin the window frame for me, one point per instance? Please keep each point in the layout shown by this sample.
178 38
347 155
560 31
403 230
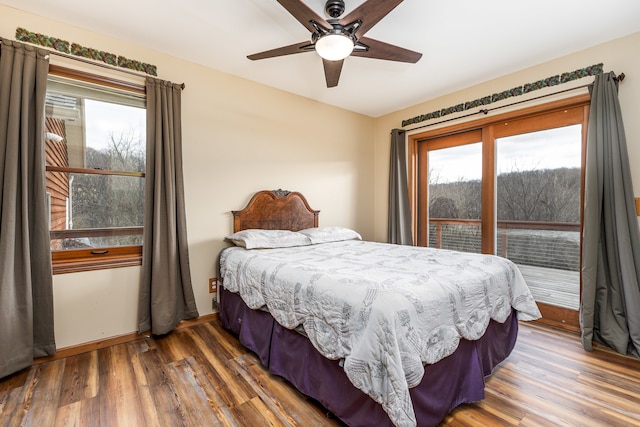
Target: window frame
457 139
76 260
506 124
491 128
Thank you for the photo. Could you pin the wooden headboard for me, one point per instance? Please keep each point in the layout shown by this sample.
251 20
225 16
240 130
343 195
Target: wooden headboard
276 210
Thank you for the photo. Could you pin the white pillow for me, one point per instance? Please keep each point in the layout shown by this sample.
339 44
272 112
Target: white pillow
263 239
330 234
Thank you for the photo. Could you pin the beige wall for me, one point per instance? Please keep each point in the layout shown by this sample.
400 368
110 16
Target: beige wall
239 137
619 56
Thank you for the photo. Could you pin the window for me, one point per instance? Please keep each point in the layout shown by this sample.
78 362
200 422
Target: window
95 161
452 192
538 208
512 186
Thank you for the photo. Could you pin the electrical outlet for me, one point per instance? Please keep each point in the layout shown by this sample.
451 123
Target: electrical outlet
213 285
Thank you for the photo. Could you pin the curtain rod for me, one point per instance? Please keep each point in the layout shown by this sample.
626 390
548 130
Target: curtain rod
88 61
485 111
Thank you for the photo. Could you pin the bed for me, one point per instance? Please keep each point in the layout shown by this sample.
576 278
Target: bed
379 334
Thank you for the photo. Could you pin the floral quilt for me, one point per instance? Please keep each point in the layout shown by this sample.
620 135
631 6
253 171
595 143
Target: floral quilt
384 310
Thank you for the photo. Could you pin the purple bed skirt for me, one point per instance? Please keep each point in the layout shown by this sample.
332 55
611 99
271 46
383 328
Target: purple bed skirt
454 380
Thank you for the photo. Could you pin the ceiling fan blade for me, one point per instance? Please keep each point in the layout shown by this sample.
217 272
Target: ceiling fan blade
303 14
370 12
281 51
332 70
382 50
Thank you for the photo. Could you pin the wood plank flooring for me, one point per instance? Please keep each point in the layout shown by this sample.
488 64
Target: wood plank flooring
553 286
202 376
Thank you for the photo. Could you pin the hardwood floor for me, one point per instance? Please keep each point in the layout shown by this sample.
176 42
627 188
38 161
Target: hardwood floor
549 380
202 376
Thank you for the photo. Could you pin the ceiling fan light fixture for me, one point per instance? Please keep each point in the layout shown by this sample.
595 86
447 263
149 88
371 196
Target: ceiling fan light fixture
334 39
334 46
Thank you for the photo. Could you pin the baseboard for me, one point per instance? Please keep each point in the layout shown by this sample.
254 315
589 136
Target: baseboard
559 317
559 325
120 339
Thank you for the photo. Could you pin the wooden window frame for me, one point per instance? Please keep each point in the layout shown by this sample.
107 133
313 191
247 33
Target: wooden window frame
470 136
76 260
507 124
498 126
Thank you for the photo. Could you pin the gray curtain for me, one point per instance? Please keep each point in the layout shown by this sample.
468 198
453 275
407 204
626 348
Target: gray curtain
166 294
26 289
399 230
610 307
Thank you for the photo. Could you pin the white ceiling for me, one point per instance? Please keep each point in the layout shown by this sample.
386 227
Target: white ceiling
464 42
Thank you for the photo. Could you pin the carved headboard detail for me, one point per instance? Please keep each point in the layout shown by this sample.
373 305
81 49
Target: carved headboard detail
276 210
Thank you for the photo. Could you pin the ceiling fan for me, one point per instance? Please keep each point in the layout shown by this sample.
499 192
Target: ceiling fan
334 39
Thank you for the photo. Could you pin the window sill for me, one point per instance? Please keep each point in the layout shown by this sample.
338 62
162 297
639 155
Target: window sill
73 261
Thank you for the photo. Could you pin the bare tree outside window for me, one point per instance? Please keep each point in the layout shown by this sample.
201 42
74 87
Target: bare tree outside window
111 200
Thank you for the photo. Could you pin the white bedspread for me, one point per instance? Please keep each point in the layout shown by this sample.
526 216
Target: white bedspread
384 309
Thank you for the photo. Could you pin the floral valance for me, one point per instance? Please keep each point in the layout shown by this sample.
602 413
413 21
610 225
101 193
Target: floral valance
516 91
84 52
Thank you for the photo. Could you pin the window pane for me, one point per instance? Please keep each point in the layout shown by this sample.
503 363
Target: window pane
538 202
88 201
455 197
106 201
95 242
87 133
117 143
